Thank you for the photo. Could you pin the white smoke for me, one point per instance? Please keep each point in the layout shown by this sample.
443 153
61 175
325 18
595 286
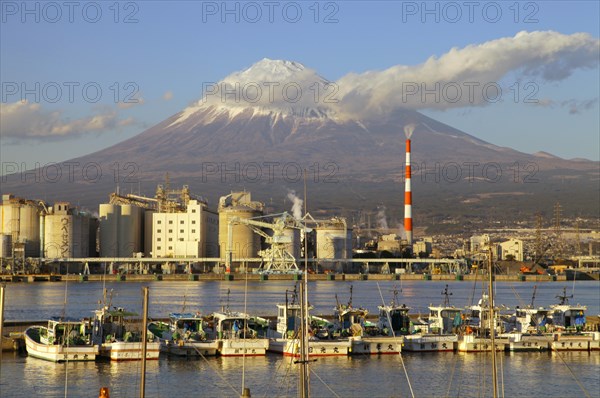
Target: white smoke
409 129
296 204
381 218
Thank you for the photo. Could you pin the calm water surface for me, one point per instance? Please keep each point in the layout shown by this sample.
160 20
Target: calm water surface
430 375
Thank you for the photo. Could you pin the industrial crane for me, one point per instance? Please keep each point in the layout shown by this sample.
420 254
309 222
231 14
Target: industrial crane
277 257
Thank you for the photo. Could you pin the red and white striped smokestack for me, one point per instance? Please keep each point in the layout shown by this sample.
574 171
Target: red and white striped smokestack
408 227
408 197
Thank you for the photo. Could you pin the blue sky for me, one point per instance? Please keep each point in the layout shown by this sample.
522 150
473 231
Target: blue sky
164 52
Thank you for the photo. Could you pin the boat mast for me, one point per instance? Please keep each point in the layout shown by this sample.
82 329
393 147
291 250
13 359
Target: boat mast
144 341
304 382
492 322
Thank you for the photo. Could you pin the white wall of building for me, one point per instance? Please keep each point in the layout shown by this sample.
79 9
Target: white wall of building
512 247
190 234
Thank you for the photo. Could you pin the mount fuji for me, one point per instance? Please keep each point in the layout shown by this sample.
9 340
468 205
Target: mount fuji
257 129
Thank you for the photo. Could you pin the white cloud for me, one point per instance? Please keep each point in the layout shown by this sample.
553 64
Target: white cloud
459 76
168 96
28 121
574 106
131 102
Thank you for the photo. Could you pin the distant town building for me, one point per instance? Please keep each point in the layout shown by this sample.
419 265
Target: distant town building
192 233
479 243
512 248
423 246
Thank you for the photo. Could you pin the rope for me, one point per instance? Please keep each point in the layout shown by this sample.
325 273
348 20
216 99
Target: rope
573 375
217 371
325 384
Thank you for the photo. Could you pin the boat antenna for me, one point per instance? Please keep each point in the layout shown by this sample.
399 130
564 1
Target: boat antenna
446 297
564 299
533 295
350 301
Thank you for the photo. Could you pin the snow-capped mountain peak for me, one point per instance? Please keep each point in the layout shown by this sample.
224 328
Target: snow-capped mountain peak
269 87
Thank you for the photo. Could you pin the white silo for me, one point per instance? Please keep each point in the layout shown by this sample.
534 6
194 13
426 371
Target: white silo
334 242
245 243
109 219
29 229
130 228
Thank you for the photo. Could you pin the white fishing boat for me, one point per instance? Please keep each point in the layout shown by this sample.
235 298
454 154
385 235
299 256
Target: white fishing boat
62 340
183 335
234 336
287 338
366 338
569 323
115 338
477 325
440 333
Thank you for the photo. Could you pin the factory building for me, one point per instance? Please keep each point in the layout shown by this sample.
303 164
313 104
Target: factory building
184 234
512 248
245 243
67 232
19 226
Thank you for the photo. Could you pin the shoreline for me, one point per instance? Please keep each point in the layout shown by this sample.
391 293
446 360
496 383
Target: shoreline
276 277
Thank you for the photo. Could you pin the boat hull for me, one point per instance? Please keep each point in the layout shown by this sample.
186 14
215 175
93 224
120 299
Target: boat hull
129 351
376 345
430 343
242 347
479 345
56 352
189 348
316 348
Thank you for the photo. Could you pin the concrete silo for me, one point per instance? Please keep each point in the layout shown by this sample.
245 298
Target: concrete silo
130 230
245 243
334 243
109 221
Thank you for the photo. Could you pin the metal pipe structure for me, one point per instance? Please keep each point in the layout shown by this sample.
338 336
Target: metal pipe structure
408 197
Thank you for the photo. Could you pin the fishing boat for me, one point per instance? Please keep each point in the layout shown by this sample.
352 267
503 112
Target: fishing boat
439 333
62 340
233 335
115 339
569 324
477 327
528 328
183 335
366 338
287 339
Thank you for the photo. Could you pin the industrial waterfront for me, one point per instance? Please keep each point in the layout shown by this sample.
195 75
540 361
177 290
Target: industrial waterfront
430 374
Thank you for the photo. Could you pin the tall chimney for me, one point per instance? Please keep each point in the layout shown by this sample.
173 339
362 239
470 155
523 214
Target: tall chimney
408 197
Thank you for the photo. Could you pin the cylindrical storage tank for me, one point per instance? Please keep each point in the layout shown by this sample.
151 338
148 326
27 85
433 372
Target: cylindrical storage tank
148 232
7 218
245 243
332 242
109 221
29 229
5 246
81 236
293 234
129 230
58 236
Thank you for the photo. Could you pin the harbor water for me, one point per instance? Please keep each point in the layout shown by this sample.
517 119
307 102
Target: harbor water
531 374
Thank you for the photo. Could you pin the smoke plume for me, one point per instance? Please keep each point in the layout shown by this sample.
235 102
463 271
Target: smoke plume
409 129
296 204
